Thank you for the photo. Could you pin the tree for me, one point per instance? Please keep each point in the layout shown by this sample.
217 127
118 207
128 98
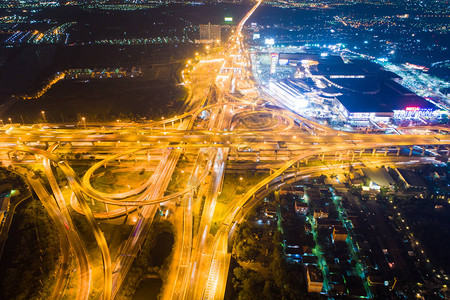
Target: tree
322 178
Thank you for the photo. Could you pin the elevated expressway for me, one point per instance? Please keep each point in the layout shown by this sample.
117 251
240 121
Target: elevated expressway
200 263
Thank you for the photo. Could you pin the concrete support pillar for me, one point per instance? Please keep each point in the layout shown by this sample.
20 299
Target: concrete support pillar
410 151
423 151
323 156
373 151
361 152
306 161
126 210
340 157
385 151
353 156
267 186
398 151
282 177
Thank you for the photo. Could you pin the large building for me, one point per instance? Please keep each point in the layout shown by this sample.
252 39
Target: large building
314 279
211 33
355 91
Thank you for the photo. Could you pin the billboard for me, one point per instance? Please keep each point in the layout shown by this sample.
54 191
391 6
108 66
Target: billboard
269 41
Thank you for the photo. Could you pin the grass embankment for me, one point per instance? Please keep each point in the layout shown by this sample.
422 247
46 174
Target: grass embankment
234 186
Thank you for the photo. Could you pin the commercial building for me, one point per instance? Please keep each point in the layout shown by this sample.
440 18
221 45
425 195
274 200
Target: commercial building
210 33
357 91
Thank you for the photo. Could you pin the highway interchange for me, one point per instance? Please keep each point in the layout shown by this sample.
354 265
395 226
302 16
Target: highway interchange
212 132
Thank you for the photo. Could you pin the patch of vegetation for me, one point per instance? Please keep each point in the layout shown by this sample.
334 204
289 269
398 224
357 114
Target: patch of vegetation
430 222
178 182
262 271
234 185
8 177
113 181
27 268
148 260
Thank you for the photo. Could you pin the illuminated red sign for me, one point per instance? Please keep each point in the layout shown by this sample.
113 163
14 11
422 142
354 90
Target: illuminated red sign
412 108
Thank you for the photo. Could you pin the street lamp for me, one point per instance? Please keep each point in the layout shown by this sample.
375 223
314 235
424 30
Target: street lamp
10 121
43 116
2 122
84 122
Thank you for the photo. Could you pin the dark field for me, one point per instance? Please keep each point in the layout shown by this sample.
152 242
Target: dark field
150 96
153 95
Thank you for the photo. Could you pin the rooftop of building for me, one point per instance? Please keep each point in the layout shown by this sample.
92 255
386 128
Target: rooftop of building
379 176
364 87
387 100
315 274
412 178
